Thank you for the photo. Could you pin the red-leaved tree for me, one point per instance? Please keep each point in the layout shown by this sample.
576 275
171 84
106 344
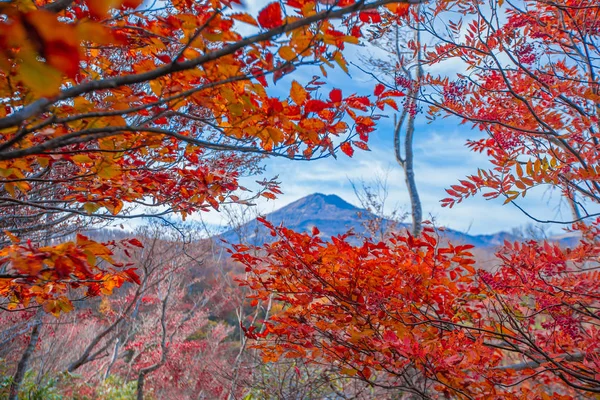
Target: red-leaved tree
413 314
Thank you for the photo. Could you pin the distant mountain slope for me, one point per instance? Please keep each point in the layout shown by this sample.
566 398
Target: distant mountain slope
334 216
330 213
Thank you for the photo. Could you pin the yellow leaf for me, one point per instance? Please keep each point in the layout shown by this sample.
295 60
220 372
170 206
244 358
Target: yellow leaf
65 304
24 187
24 5
341 61
42 79
275 134
287 53
6 172
351 39
43 161
12 237
118 206
323 71
10 188
236 109
91 207
212 37
93 32
156 87
349 371
298 93
108 170
81 158
105 307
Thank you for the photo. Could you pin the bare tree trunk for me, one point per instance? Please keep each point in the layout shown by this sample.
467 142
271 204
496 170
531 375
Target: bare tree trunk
163 346
113 358
409 176
24 362
406 161
87 356
574 207
243 343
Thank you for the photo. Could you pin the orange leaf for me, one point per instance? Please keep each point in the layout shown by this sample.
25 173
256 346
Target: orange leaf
243 17
100 8
298 93
287 53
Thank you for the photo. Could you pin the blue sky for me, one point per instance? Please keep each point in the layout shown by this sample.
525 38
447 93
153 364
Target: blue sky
441 158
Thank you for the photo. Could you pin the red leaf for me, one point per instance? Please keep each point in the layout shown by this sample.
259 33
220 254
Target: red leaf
271 16
163 57
131 3
133 275
361 145
379 89
335 95
347 149
393 93
369 16
360 103
315 106
136 243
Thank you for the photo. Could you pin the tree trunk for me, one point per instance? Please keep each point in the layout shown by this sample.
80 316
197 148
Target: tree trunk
24 362
409 176
163 346
407 161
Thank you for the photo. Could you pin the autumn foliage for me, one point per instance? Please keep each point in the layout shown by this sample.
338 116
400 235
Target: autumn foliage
531 83
117 110
414 315
112 111
411 313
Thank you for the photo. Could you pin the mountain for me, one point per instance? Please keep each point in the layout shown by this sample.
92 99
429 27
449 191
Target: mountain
330 213
335 216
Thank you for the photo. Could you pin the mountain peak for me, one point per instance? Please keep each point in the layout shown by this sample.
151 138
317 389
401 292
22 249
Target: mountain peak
319 201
